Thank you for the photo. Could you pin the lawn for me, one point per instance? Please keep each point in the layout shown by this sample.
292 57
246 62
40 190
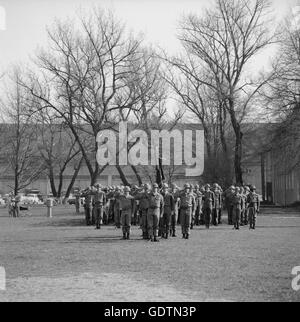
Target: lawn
60 259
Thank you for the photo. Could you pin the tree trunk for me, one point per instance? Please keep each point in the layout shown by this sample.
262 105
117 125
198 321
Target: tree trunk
75 174
238 150
139 179
122 176
238 158
52 183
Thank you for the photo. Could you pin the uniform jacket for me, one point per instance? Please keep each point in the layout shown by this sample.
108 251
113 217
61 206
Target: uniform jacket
209 199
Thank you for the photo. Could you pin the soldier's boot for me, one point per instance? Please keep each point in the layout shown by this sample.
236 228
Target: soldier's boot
128 235
174 233
124 236
192 226
183 236
187 236
167 236
156 240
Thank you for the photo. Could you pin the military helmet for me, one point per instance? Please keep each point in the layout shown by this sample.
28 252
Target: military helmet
165 185
197 186
127 189
146 186
187 186
174 186
253 188
207 186
155 185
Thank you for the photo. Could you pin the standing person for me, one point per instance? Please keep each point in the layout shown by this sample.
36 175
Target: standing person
229 203
88 205
194 212
246 216
237 200
10 205
77 202
174 215
99 200
143 198
187 209
243 206
208 205
117 218
198 199
126 207
16 201
168 211
253 206
156 206
135 219
217 209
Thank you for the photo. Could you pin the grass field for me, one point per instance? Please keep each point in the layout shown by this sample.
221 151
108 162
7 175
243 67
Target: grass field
60 259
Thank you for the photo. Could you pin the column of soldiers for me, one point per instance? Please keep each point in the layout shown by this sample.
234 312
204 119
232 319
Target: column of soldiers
158 210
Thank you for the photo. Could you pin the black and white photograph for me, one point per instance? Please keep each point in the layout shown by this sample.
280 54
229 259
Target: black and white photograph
149 153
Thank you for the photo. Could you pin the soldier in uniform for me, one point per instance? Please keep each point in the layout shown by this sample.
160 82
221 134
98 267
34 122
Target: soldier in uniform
237 200
253 206
187 209
246 193
229 203
198 199
168 211
217 210
156 206
174 215
143 199
117 218
202 219
126 207
243 206
192 187
88 207
208 205
135 217
99 201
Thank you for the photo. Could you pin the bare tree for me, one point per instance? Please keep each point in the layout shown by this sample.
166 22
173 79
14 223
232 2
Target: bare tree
222 44
58 149
91 75
20 140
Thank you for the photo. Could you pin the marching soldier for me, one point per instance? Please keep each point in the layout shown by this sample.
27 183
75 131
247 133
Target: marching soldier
187 209
156 206
208 205
168 211
126 207
237 200
99 201
143 199
253 206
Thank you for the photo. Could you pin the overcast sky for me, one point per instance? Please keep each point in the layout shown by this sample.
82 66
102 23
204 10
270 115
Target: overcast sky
26 20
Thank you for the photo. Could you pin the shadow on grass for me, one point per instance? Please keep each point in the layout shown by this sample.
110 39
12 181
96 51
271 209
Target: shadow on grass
102 240
67 222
